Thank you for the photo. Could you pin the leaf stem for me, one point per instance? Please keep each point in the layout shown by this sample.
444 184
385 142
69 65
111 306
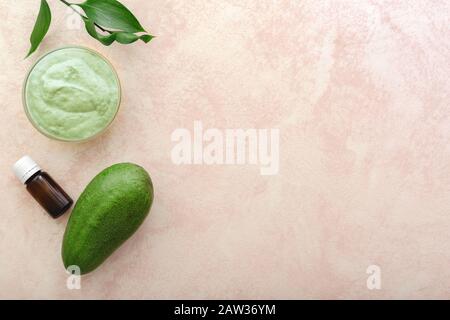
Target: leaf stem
82 16
65 2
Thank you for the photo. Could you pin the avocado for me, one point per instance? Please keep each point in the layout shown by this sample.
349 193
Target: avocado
108 212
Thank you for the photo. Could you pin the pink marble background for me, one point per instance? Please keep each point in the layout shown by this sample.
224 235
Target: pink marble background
360 93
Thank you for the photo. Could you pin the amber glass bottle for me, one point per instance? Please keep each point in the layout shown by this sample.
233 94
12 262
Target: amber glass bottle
42 187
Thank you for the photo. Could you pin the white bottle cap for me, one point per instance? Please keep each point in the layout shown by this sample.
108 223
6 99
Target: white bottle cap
24 168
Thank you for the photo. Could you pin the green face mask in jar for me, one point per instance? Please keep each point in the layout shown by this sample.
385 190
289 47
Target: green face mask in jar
72 94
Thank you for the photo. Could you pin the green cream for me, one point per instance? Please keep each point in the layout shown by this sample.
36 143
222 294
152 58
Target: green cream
72 94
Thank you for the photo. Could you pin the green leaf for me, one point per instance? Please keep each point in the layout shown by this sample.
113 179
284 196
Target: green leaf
40 27
119 36
91 29
111 14
126 37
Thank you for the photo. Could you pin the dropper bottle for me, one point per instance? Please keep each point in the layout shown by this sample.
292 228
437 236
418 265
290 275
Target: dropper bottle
42 187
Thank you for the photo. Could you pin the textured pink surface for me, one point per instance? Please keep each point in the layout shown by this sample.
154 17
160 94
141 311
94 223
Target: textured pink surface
360 93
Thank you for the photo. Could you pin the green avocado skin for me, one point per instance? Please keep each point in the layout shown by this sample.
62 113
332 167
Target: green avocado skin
108 212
